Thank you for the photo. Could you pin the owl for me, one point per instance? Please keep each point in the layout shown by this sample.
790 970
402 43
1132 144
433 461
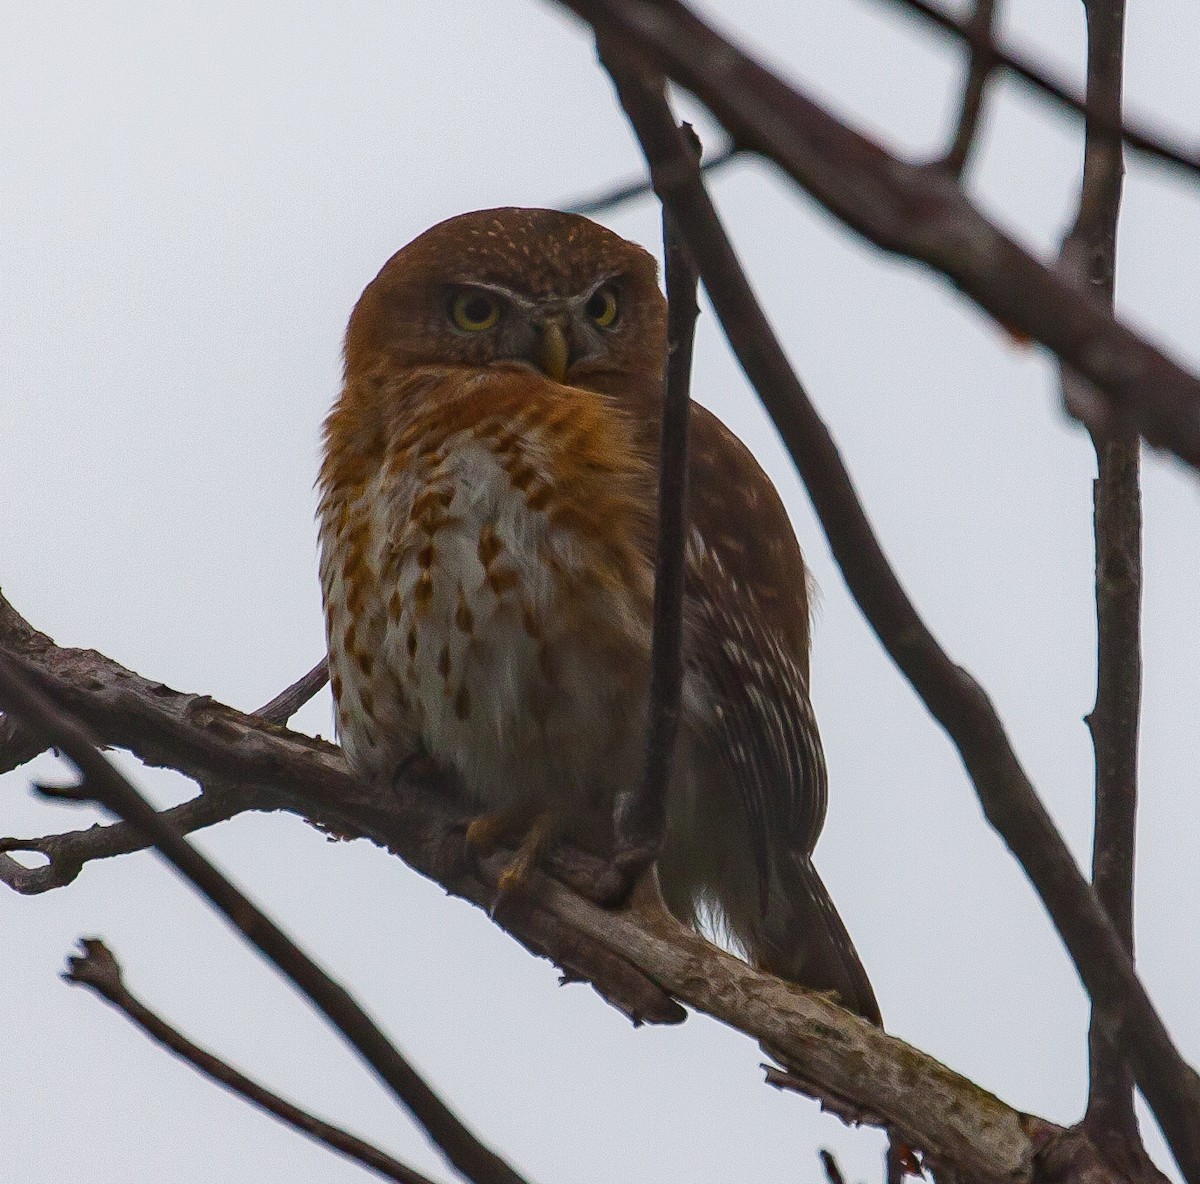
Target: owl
487 516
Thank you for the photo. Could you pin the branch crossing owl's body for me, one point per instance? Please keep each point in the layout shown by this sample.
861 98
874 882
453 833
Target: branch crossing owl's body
486 519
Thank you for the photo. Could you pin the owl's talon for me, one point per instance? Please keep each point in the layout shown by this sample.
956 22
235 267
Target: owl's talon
516 875
485 834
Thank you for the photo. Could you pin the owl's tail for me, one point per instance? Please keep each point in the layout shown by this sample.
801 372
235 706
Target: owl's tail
800 937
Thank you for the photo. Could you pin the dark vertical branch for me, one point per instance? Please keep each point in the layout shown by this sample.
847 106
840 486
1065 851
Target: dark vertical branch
641 817
1089 259
983 62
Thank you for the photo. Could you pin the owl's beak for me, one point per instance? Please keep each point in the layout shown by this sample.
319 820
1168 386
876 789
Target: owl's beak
551 350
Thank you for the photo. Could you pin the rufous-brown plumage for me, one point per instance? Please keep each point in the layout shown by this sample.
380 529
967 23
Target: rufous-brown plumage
486 523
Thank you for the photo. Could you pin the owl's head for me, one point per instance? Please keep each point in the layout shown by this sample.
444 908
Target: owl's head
514 288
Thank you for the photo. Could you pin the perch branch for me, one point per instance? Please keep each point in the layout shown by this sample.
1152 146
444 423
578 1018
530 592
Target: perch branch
846 1063
914 210
101 782
97 969
265 767
952 696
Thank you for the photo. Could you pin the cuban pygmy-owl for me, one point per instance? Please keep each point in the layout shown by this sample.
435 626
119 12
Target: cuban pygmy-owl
487 510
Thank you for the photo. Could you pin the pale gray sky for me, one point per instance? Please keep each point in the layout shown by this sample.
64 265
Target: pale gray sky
191 199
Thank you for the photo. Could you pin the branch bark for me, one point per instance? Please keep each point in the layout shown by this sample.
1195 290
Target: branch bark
979 70
918 211
642 816
1088 260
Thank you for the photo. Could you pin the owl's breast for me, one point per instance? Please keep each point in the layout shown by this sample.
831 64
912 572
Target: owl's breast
502 577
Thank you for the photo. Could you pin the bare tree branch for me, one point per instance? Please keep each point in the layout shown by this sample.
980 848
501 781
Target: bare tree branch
833 1173
953 697
1088 260
67 853
104 784
983 62
1038 77
291 699
918 211
836 1057
602 203
99 970
642 815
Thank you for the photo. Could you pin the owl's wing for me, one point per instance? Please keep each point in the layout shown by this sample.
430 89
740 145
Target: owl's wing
748 631
748 613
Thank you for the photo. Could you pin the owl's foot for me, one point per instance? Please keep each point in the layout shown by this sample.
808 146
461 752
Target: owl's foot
514 877
489 832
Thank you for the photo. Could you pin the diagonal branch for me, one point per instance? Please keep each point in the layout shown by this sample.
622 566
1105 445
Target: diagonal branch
609 199
98 969
918 211
953 697
105 785
291 699
269 768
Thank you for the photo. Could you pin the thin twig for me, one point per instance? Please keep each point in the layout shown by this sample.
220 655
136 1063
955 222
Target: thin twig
833 1173
914 210
1089 259
66 853
602 203
982 63
289 701
642 815
1140 139
98 969
954 698
104 784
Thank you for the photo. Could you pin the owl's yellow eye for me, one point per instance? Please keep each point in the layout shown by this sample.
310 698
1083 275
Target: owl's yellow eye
602 307
473 312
